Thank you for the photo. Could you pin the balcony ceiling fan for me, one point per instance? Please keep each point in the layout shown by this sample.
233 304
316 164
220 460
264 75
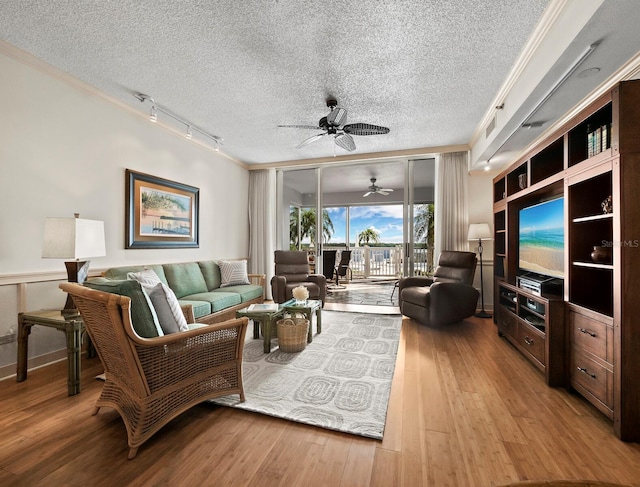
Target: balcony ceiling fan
373 189
334 125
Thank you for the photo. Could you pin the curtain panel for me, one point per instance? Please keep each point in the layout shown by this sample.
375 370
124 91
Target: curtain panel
451 208
262 224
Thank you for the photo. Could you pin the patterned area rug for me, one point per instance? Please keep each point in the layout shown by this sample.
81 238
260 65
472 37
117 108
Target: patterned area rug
341 381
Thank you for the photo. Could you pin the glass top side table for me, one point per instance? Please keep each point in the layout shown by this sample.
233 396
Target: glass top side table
72 326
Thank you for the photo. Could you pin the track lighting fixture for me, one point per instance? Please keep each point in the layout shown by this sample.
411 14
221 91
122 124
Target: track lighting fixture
155 108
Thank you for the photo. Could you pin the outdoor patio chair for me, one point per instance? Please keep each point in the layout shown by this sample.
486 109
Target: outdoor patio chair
343 266
329 264
150 381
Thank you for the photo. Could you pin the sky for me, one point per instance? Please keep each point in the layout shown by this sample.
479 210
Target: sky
386 220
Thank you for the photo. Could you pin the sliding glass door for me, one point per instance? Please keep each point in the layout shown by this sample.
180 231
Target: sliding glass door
382 212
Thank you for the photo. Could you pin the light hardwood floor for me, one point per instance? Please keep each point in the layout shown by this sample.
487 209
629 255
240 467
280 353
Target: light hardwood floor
465 409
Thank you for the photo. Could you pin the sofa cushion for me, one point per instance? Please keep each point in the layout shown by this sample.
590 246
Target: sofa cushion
185 279
121 272
211 273
218 300
164 301
143 316
247 292
233 272
200 308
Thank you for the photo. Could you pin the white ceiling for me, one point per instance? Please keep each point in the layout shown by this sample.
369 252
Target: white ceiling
427 69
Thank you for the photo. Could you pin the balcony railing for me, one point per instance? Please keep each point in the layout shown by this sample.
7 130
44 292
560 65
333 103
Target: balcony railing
369 262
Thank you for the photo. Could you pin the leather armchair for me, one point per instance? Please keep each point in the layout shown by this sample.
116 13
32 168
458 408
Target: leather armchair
292 270
447 297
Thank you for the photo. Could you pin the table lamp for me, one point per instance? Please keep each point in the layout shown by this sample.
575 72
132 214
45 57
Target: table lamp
73 238
480 231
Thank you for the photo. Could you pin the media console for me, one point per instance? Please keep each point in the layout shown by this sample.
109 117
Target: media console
535 325
538 284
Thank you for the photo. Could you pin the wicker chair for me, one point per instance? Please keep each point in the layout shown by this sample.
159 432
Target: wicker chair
150 381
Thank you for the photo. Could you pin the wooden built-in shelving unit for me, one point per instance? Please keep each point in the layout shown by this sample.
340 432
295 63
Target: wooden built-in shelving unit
592 344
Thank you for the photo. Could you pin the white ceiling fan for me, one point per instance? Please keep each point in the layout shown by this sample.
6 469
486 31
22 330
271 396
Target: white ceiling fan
373 189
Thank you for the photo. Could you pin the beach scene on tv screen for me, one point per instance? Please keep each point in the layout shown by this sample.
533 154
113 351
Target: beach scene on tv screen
541 238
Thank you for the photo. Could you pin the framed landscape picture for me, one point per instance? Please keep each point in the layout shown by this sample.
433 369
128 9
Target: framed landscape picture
160 213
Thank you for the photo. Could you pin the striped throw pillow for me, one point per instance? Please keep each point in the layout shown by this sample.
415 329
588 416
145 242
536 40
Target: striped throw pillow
233 272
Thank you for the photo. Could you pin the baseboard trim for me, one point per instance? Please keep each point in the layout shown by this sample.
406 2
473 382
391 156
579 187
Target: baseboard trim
9 371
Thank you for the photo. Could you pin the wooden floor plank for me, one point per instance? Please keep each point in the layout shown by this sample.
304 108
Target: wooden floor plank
466 409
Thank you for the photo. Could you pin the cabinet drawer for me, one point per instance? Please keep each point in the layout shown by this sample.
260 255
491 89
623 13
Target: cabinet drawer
592 376
507 322
532 341
590 335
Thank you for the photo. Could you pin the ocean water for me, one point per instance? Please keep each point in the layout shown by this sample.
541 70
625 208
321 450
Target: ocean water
551 238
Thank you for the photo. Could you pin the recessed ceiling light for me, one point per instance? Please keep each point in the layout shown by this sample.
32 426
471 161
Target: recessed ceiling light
587 72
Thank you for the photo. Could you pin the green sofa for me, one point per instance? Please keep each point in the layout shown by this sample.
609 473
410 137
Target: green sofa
197 284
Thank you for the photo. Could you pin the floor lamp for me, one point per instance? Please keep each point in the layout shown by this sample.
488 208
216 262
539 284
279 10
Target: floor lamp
480 231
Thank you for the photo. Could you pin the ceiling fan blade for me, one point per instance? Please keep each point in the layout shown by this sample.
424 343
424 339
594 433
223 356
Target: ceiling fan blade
311 139
346 142
367 194
388 190
365 129
314 127
382 192
337 116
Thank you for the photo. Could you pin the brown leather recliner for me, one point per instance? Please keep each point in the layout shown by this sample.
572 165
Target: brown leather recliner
447 297
292 270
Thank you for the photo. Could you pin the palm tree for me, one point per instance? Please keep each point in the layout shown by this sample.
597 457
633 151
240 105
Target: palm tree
368 235
308 225
423 230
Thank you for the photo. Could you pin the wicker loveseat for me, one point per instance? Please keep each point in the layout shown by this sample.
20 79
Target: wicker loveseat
200 285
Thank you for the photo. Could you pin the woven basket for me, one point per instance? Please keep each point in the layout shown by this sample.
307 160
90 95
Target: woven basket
292 334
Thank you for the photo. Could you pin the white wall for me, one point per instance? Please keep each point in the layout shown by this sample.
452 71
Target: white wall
480 202
64 148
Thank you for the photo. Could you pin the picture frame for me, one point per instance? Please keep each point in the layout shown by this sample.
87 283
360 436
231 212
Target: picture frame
160 213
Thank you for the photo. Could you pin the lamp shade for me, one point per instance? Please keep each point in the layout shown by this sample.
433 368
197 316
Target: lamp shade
73 238
479 231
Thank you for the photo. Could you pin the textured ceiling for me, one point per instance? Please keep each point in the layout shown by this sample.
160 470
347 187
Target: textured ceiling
428 70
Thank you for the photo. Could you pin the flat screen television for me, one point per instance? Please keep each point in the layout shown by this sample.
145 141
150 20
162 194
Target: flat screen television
541 238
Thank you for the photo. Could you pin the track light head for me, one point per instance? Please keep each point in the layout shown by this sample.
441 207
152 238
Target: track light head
153 116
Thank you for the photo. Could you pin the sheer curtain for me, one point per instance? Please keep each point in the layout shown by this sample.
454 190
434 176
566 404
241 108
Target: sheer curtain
452 215
262 223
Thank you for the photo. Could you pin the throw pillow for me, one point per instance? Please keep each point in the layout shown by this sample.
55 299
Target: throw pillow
149 280
143 316
233 272
165 315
